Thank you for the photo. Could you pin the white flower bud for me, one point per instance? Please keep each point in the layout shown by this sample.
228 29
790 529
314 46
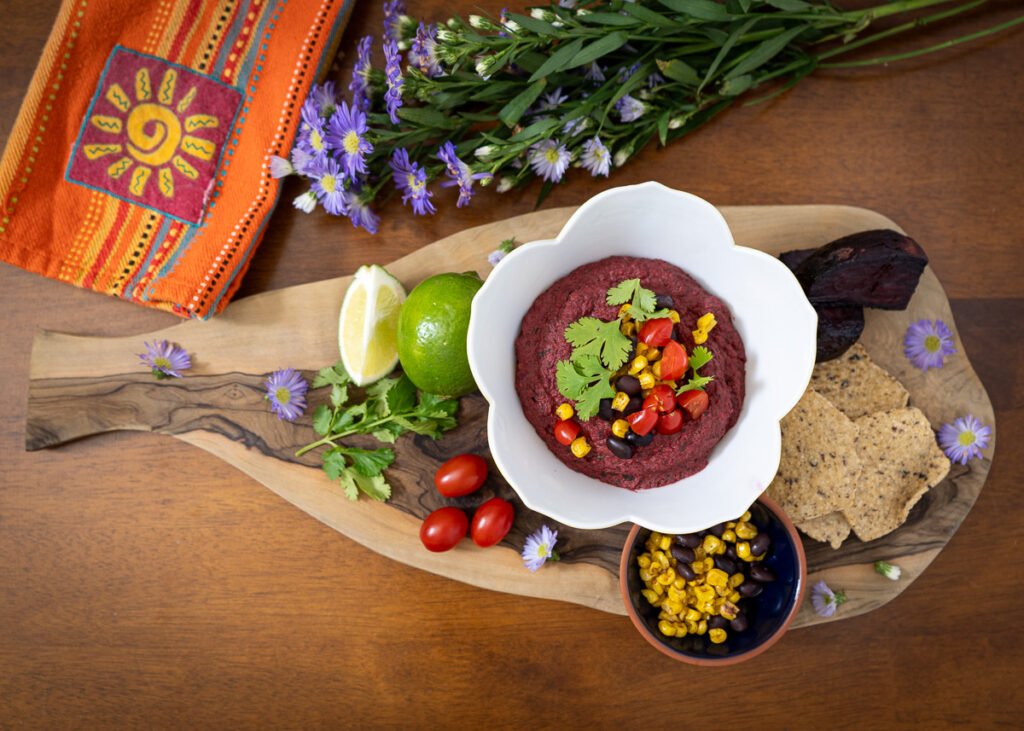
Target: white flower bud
888 570
478 21
583 11
446 36
485 67
305 202
505 185
621 156
676 122
512 26
542 14
484 151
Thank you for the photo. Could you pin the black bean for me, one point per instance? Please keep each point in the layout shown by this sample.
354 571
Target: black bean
730 550
762 573
740 623
726 564
664 302
690 540
684 570
605 410
717 530
629 385
639 441
760 544
750 589
717 622
619 447
635 404
682 553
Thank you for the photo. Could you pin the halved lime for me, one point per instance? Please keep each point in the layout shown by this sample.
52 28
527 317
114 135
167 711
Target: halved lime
368 323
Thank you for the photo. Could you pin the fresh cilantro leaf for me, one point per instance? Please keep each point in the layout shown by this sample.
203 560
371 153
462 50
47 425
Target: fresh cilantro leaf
339 395
335 463
586 382
322 420
402 396
348 484
642 301
376 486
697 383
700 357
377 396
385 434
592 337
334 375
369 462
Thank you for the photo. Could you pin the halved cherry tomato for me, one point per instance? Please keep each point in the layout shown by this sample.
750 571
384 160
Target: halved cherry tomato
671 422
492 522
566 431
443 529
694 403
642 421
674 361
661 398
461 475
656 332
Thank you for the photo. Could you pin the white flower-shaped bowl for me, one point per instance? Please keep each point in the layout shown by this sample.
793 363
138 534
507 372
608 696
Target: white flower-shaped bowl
770 312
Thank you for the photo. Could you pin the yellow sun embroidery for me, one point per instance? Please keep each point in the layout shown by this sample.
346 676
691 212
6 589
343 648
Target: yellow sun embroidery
152 134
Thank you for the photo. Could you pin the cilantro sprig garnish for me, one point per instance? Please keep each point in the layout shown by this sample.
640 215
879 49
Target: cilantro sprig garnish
602 340
391 408
643 303
586 381
698 359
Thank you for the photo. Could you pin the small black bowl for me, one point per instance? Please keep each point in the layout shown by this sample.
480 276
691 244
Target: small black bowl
770 613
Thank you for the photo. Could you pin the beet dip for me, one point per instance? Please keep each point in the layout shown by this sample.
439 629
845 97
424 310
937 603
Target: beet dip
541 344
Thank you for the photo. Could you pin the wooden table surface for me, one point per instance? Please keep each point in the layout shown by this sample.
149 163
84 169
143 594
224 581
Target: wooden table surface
143 582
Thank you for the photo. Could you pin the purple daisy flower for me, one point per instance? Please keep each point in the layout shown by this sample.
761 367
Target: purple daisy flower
281 167
539 547
575 126
654 80
326 97
301 160
630 109
595 158
393 12
549 159
825 600
411 180
165 359
286 392
964 439
347 132
359 212
594 73
423 53
928 343
393 70
551 100
460 174
312 138
360 85
626 71
329 187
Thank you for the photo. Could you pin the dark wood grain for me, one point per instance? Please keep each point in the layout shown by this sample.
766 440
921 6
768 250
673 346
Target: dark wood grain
144 583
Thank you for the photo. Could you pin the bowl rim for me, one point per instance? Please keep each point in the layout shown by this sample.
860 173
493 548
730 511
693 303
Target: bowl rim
645 631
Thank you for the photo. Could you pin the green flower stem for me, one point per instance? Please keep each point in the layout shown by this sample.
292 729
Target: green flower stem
331 438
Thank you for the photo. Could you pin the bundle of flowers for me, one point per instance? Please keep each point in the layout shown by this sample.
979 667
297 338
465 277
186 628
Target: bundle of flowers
501 100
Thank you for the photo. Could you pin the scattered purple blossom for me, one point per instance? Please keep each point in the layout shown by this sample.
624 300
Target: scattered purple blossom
596 158
326 97
286 392
505 248
575 126
393 70
928 343
552 100
329 187
539 548
630 109
393 12
165 359
655 79
411 179
626 71
359 212
549 159
824 600
312 138
346 131
964 439
360 84
594 73
460 174
301 160
423 53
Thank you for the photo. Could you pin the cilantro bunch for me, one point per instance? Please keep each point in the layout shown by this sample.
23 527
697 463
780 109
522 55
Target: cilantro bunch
391 407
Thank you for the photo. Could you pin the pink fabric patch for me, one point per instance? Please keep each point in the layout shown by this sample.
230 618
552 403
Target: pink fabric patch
154 134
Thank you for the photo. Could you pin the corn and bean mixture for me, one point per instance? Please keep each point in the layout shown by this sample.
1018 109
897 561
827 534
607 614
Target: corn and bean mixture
698 580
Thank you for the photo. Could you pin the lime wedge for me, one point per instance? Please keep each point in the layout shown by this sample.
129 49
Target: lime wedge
368 323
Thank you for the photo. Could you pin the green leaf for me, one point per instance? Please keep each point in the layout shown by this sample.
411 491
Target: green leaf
322 420
376 486
368 462
642 301
339 395
790 6
723 52
648 16
765 52
679 71
494 90
331 375
736 86
558 60
384 435
539 27
334 463
427 117
348 484
663 121
697 383
639 77
607 19
534 130
511 112
599 48
702 9
402 396
590 336
700 357
586 382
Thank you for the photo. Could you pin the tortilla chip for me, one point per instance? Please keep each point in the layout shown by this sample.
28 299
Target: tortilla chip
819 459
901 463
832 528
857 386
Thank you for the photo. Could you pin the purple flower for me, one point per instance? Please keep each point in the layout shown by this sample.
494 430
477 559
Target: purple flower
301 160
347 132
280 167
626 71
594 73
312 138
654 80
595 158
459 173
393 96
286 392
325 96
928 343
552 100
329 187
359 212
411 180
504 249
549 159
539 547
575 126
423 53
165 359
964 439
393 12
360 85
825 600
630 109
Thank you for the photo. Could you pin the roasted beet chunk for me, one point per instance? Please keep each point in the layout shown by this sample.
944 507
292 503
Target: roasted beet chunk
793 259
838 329
871 268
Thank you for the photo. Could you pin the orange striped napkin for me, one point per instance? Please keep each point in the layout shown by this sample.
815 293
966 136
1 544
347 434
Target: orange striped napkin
138 165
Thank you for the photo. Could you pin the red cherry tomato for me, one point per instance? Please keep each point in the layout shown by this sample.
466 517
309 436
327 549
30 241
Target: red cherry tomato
674 361
670 423
461 475
443 529
656 332
491 522
642 421
661 398
566 431
694 403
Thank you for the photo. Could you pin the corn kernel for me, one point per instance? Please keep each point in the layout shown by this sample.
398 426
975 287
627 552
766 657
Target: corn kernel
638 364
698 567
675 594
730 524
579 447
673 315
713 544
736 579
661 556
673 606
646 575
745 530
699 337
658 589
717 578
717 635
624 310
647 379
656 370
692 615
691 627
665 543
707 322
620 428
746 516
734 596
702 627
666 628
721 591
643 561
729 535
729 610
666 577
641 348
564 411
743 550
650 596
652 355
627 328
704 594
698 553
681 630
621 401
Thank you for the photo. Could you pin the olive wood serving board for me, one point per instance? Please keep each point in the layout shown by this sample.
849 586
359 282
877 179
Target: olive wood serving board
82 386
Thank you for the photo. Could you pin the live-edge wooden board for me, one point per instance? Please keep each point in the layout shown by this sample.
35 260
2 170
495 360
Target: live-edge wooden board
81 386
